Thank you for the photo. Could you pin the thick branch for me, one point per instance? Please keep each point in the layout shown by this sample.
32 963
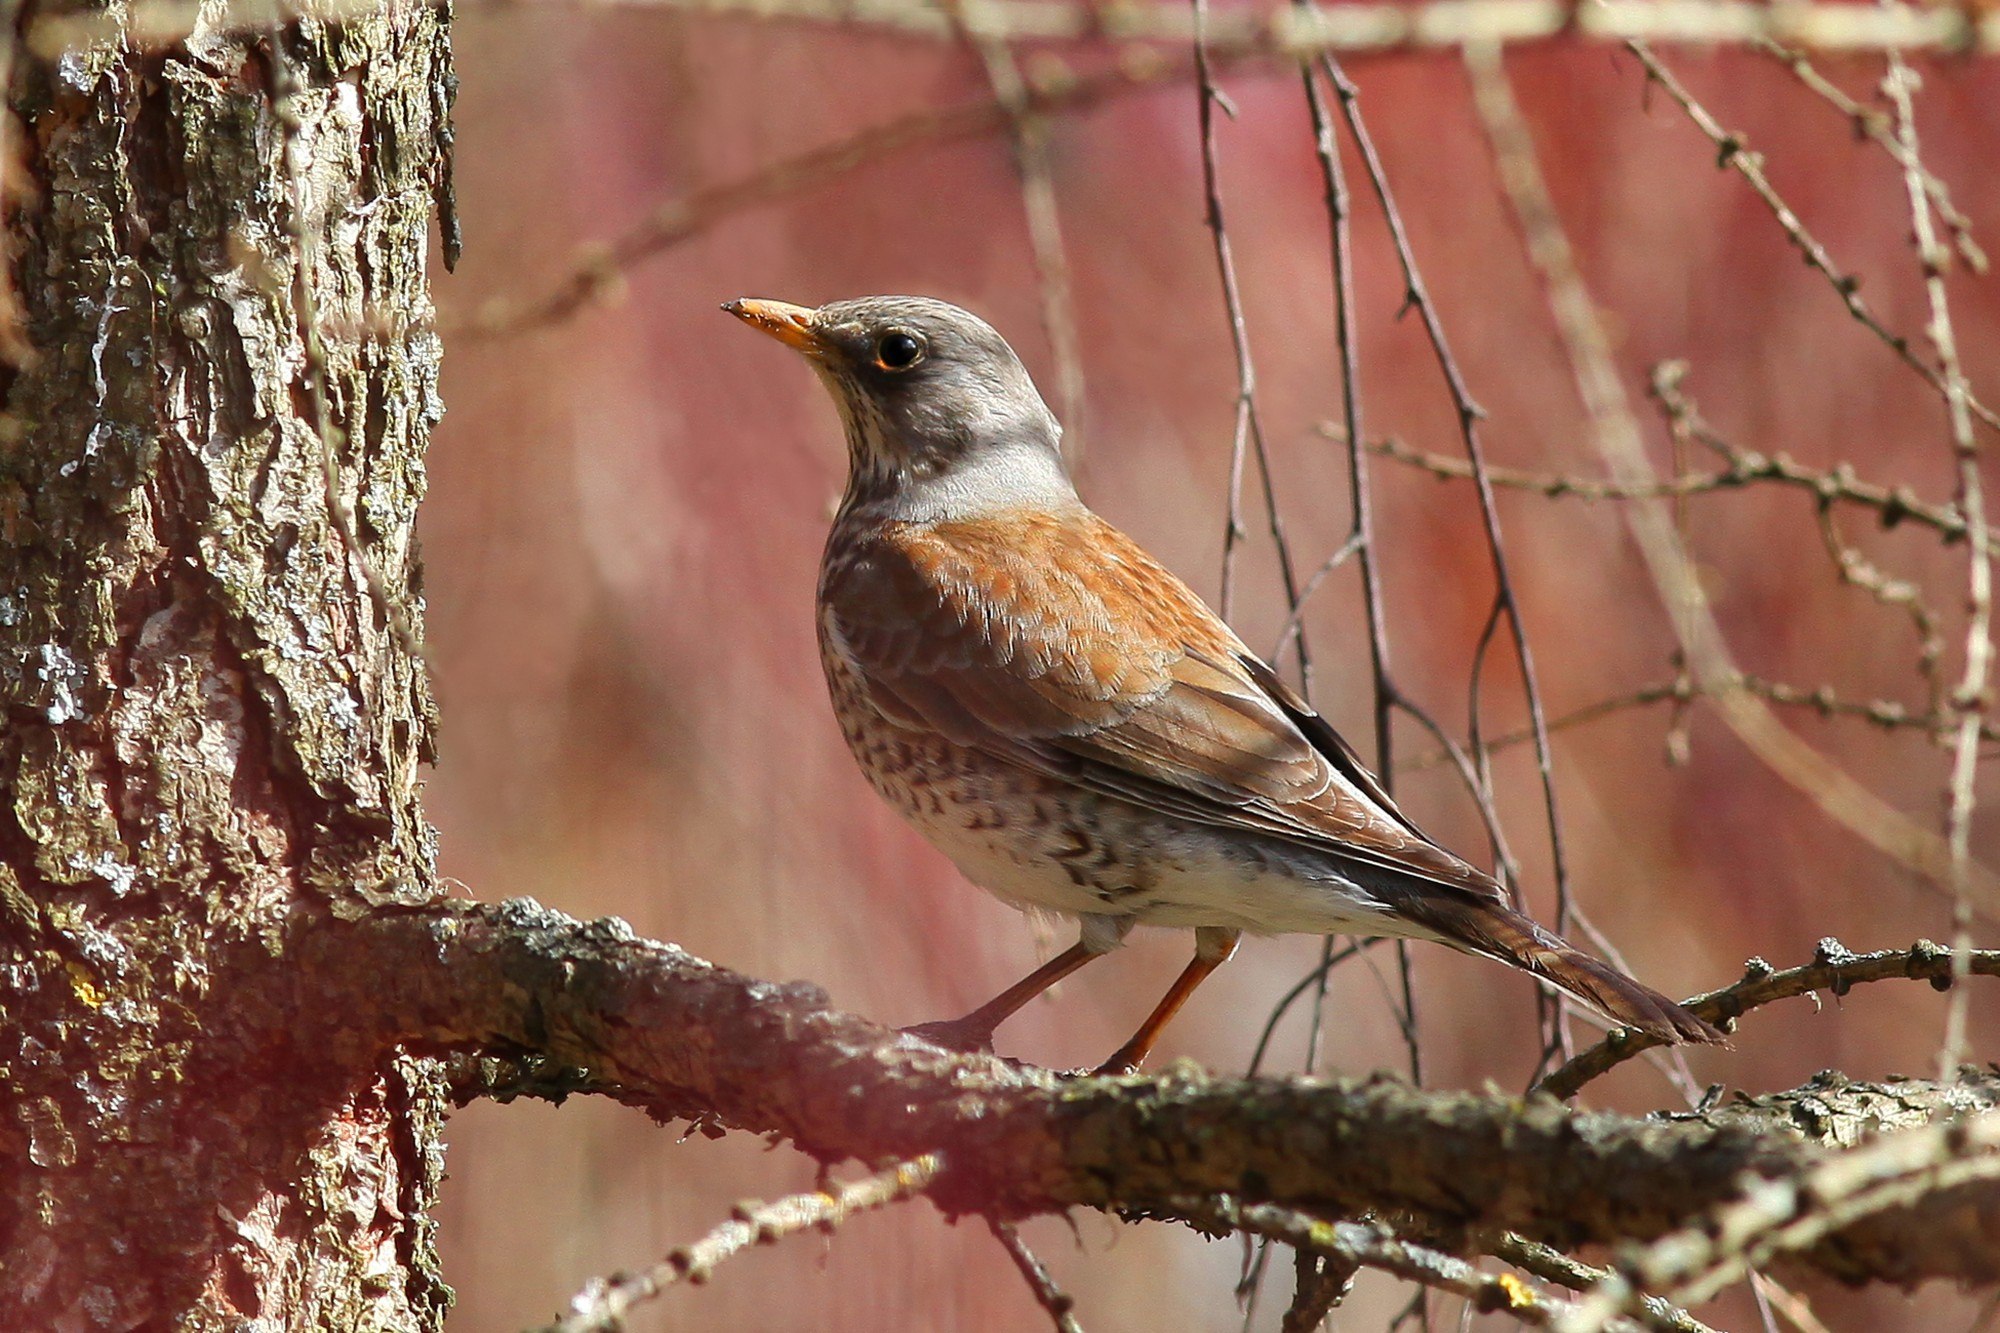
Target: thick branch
683 1038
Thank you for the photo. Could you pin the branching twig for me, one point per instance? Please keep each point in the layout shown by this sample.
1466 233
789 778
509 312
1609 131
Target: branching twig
1884 713
1361 538
1552 1265
597 270
1969 700
1833 968
1357 1245
1358 27
601 1307
1774 1218
1873 125
1248 432
1416 296
1838 484
1733 151
1615 431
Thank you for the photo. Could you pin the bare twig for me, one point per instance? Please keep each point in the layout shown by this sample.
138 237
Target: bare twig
1249 428
1029 130
1321 1283
1416 296
1833 968
1773 1218
1858 571
1339 213
1873 125
1055 1302
1360 27
1838 484
1552 1265
602 1306
1371 1245
596 272
1795 1309
1884 713
1969 700
1615 431
1733 151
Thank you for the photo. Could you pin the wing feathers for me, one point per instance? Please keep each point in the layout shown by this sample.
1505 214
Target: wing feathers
1062 646
1052 642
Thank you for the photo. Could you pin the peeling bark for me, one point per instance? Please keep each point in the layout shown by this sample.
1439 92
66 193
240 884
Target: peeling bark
209 727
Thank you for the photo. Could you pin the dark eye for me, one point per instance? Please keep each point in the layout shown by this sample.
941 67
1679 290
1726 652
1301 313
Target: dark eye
898 350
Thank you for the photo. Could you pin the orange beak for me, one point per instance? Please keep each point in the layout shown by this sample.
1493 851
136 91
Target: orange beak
789 324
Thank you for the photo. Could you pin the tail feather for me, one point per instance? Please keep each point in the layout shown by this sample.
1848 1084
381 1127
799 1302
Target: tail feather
1499 932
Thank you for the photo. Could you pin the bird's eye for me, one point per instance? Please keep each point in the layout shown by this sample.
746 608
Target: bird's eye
899 350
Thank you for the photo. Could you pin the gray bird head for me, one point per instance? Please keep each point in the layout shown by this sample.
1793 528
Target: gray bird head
942 420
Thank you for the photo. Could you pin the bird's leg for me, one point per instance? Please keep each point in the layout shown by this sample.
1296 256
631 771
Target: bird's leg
974 1032
1212 947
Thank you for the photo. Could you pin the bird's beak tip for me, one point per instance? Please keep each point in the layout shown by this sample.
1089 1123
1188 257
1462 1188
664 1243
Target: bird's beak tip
789 324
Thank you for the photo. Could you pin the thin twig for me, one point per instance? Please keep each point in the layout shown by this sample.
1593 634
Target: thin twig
1746 469
1371 1245
596 272
1055 1302
1359 27
1777 1218
1339 215
1615 432
1733 152
1884 713
1969 700
1552 1265
1794 1308
1871 124
1416 296
1834 968
1248 431
601 1307
1029 130
1321 1283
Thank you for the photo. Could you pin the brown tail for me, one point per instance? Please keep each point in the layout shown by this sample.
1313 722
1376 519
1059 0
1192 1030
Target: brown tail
1500 932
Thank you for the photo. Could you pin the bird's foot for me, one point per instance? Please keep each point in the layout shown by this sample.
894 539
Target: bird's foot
954 1034
1122 1061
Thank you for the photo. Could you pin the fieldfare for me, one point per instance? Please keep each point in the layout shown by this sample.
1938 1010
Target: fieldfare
1069 723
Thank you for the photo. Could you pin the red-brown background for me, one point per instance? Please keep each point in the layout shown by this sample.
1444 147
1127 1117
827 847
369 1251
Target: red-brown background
626 514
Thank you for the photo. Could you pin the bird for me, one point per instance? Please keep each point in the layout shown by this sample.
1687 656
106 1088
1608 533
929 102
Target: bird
1071 724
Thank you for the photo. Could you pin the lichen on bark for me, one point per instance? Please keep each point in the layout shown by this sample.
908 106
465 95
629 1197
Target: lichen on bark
212 729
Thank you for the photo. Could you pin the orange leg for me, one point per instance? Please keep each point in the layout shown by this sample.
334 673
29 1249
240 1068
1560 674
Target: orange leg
1213 947
974 1032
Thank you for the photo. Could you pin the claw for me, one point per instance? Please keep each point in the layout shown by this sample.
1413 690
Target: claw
953 1034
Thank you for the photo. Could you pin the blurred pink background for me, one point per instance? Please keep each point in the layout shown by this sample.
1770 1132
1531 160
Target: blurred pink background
626 513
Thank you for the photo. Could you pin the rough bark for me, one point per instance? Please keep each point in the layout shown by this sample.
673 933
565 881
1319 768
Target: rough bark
601 1010
210 728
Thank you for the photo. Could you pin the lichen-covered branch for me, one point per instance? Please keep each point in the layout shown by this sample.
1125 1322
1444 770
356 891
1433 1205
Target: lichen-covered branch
683 1038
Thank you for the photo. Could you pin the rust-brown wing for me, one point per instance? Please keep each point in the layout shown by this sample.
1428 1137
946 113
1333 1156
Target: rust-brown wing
1054 642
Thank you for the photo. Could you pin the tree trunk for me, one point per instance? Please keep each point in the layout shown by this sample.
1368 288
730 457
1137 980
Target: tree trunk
214 729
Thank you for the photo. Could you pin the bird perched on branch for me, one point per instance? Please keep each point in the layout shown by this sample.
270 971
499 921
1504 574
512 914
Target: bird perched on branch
1069 723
